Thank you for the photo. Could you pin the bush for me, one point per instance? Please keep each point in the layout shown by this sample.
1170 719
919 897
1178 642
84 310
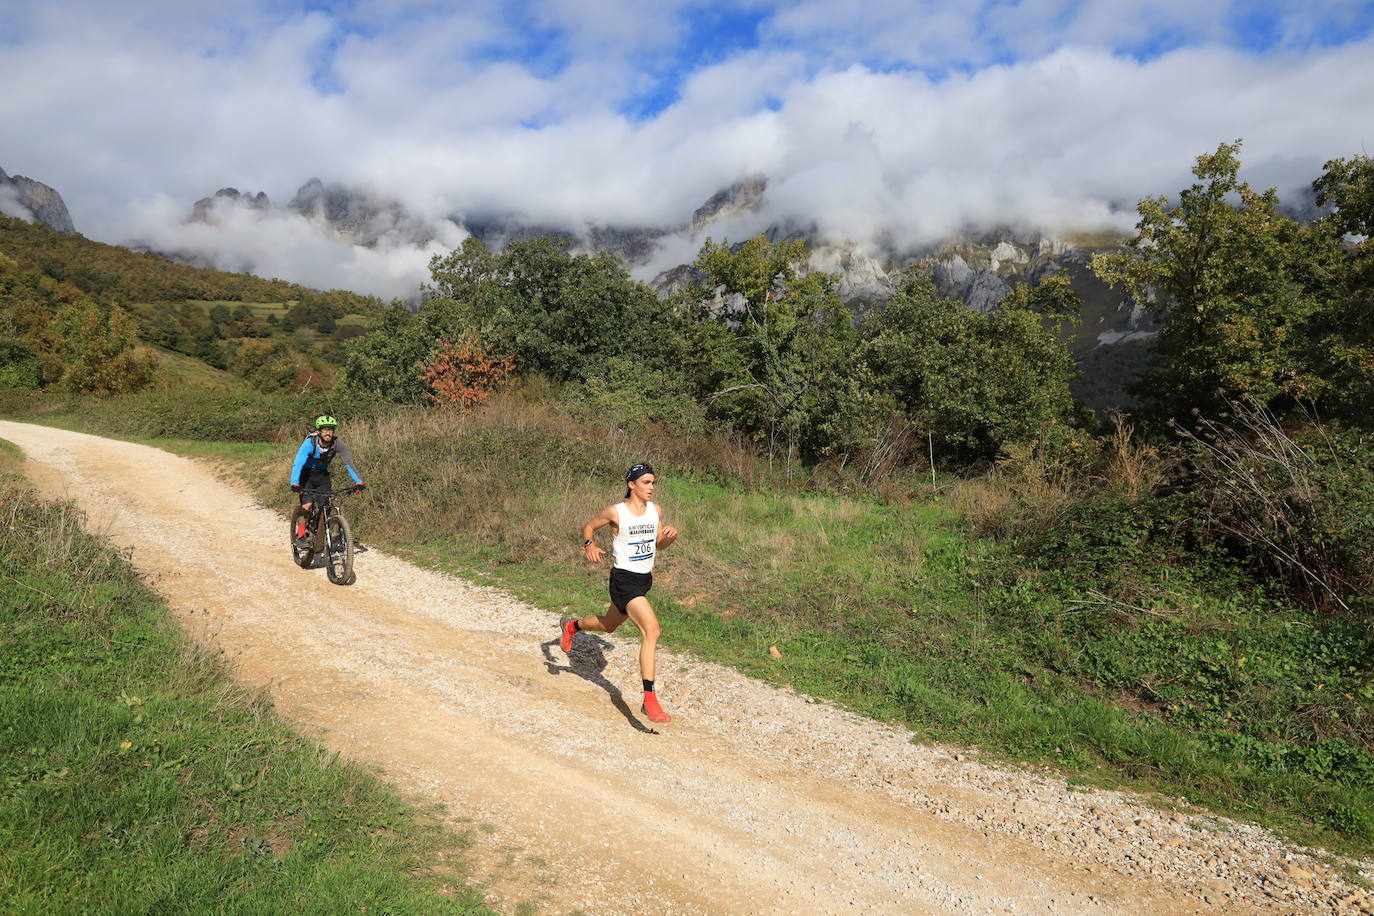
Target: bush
630 394
20 366
1300 504
464 374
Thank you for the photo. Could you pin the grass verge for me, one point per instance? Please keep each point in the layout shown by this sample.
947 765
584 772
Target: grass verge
136 778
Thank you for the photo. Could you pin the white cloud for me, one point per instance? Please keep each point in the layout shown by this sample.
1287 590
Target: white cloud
285 244
12 205
133 113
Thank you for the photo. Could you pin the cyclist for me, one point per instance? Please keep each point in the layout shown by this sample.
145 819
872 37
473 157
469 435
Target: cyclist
639 532
310 472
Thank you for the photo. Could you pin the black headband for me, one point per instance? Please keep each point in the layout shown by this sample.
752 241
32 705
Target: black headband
635 472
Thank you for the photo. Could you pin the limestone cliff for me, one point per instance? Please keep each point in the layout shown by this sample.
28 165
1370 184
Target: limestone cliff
33 201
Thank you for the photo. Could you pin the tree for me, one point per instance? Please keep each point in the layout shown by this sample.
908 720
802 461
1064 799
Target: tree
387 362
1343 336
98 350
1233 284
269 365
772 348
553 312
976 382
550 312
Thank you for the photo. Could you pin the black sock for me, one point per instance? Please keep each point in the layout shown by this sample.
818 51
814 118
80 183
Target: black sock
648 686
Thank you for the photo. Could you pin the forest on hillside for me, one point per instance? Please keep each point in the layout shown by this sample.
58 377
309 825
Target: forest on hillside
78 315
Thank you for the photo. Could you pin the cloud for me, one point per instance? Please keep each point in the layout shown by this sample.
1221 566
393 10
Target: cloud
899 121
11 204
282 243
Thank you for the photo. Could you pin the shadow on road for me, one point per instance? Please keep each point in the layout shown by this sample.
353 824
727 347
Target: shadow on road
588 661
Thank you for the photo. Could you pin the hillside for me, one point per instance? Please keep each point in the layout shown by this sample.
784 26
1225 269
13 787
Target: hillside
267 334
104 270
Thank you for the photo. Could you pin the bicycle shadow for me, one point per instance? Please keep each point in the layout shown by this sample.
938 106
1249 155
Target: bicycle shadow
588 661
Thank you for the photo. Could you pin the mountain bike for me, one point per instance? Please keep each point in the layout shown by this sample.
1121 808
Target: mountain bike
328 537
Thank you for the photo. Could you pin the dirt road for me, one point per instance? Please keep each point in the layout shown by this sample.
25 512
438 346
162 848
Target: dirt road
753 800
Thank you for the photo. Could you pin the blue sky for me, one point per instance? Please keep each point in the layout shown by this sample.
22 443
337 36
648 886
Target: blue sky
899 119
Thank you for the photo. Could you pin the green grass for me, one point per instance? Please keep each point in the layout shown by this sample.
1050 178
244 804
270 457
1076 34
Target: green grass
261 309
11 458
189 413
136 778
179 372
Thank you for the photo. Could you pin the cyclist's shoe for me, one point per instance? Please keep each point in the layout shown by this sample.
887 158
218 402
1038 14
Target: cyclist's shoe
300 531
569 627
302 541
652 709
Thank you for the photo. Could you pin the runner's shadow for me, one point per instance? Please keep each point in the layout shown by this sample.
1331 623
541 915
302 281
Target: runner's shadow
588 661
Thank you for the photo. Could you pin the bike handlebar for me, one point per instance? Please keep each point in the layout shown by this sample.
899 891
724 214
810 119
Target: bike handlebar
328 492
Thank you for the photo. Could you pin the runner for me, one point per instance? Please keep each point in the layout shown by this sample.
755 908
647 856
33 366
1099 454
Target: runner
639 532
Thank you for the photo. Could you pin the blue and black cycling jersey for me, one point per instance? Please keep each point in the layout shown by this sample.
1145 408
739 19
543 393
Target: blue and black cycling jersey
312 456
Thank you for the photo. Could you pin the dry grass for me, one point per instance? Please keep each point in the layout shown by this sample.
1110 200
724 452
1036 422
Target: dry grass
1030 493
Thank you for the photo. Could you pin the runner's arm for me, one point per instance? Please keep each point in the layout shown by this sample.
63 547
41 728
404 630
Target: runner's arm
589 547
666 533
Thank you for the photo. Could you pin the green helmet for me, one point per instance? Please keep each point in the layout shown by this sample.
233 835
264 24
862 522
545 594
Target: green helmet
324 420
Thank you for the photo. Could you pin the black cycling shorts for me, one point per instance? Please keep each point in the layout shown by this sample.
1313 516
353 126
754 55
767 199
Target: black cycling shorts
626 586
314 479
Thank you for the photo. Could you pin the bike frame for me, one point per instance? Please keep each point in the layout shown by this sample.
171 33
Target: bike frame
324 507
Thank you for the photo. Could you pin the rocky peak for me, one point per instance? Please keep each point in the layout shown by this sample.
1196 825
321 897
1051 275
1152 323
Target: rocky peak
358 216
740 196
200 210
33 201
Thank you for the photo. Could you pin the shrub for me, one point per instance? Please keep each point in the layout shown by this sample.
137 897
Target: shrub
98 350
20 366
1300 504
631 394
464 374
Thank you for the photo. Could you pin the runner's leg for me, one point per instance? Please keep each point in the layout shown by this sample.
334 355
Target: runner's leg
608 622
642 613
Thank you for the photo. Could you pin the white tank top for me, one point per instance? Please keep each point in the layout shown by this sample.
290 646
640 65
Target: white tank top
635 539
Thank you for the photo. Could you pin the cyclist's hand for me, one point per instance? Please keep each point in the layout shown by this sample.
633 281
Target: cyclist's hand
295 488
358 487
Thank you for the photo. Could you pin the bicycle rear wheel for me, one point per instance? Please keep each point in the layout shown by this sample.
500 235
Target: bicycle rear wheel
338 545
304 557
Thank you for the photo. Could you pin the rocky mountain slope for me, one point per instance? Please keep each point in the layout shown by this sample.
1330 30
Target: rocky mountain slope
33 201
979 268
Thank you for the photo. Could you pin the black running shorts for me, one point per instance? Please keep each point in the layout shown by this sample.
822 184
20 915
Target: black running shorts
626 586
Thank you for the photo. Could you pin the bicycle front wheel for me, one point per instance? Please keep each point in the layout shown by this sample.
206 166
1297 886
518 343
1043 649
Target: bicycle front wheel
338 545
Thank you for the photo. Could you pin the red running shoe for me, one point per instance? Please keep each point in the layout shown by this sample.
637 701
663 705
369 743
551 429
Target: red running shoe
569 629
652 709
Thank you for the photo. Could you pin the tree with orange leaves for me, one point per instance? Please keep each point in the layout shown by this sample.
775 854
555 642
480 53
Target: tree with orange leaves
464 374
